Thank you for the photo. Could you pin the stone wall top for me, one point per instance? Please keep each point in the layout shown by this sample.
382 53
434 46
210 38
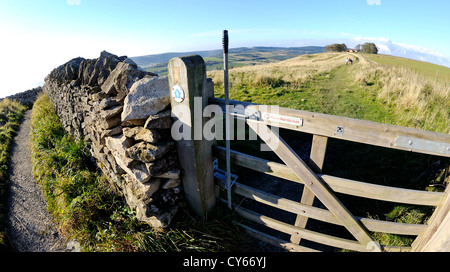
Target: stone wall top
123 112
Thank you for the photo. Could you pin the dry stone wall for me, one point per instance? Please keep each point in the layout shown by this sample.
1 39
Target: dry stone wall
124 114
27 98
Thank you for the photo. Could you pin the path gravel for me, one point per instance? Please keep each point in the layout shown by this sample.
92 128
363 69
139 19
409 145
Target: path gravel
30 227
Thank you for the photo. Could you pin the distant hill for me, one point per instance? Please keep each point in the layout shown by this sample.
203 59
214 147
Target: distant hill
243 56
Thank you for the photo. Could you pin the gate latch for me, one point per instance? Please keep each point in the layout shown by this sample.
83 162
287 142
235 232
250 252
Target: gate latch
221 175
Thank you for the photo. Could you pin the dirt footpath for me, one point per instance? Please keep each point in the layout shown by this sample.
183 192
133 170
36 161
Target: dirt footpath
30 227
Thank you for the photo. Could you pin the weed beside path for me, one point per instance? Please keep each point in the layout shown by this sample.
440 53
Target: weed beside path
11 113
87 210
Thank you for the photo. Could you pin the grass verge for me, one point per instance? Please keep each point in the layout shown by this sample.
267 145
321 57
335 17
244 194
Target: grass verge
85 208
11 114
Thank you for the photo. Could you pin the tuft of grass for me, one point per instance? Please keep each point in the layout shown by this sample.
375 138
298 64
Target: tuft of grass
11 114
86 209
401 214
416 99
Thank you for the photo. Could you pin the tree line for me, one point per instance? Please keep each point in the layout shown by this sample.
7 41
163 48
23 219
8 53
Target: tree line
370 48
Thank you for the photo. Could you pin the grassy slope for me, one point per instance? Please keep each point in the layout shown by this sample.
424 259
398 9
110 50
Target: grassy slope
11 113
318 83
429 70
365 90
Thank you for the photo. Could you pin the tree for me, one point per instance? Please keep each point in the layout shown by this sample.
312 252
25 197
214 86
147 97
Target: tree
370 48
336 47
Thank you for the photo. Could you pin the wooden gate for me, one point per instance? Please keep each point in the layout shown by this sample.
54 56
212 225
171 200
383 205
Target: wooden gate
433 236
324 187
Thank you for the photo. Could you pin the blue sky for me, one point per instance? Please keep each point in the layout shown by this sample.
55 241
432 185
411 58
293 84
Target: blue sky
38 35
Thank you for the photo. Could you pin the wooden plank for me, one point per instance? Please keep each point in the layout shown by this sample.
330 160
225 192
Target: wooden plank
274 240
354 130
258 164
325 215
437 235
306 234
316 160
189 73
310 235
385 193
318 151
320 190
340 185
440 241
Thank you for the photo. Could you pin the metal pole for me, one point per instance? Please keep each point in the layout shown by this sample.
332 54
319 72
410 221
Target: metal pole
227 115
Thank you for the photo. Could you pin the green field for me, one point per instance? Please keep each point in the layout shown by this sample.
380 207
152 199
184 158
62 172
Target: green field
431 71
238 57
366 90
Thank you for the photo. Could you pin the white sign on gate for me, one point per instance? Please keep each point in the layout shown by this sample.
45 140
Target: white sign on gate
282 119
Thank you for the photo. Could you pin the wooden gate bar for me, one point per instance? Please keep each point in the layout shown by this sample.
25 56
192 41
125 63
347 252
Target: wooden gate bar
437 235
320 190
323 214
339 185
316 160
306 234
274 240
360 131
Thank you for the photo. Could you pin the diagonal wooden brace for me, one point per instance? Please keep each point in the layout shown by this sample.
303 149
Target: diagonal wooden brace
313 183
317 156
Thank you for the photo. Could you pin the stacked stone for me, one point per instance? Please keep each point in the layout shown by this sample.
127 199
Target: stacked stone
124 114
27 98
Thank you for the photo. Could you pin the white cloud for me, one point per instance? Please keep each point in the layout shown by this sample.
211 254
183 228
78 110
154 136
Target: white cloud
74 2
386 46
374 2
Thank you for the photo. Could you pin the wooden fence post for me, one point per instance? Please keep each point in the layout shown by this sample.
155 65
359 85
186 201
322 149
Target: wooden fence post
189 97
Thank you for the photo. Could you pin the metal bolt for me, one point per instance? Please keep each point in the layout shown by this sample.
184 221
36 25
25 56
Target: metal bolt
448 148
410 142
